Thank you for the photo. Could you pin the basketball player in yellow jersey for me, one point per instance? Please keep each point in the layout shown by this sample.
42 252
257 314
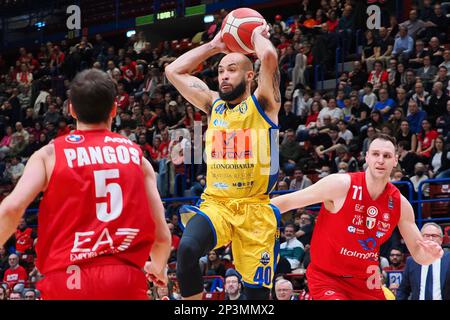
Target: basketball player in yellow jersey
240 139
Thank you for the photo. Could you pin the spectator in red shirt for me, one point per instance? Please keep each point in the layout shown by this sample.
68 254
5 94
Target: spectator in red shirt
63 128
56 59
122 97
145 146
129 69
24 77
378 75
190 116
333 21
395 260
426 140
24 237
16 275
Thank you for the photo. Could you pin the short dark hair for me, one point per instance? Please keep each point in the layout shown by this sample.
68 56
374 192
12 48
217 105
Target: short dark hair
92 95
385 137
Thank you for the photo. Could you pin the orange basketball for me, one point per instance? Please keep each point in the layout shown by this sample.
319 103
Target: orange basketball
237 29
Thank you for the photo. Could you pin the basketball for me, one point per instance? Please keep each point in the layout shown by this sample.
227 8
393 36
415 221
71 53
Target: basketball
237 29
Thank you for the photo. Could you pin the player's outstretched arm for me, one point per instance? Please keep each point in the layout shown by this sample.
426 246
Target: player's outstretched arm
327 190
424 252
269 75
192 88
160 251
32 182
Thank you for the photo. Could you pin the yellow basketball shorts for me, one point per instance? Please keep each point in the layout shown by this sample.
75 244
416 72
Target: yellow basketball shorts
252 226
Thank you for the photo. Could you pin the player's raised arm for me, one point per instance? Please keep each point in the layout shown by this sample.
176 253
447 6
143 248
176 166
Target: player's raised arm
33 181
326 190
268 90
424 252
191 87
160 251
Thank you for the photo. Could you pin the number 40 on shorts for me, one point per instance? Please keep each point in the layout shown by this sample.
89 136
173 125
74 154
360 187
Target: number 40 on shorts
263 275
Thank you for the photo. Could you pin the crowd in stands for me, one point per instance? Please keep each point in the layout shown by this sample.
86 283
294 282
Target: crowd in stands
398 83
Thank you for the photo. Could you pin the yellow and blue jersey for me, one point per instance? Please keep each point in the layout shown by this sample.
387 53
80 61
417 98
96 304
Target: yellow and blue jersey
241 151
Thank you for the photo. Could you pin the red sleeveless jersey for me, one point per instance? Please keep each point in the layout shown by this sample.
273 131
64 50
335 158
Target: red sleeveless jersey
346 243
95 209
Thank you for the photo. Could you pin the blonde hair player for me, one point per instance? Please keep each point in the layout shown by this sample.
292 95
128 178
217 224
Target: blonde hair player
235 205
359 213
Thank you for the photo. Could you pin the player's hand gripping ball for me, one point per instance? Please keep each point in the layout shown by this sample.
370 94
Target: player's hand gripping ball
237 29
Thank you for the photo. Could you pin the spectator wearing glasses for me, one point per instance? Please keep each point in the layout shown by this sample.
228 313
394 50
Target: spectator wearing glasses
233 286
431 282
304 225
30 295
395 260
284 290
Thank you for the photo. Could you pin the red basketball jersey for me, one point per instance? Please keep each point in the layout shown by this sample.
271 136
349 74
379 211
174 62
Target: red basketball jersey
95 209
346 243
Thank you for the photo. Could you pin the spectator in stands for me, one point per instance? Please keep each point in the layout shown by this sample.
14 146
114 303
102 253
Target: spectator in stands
15 275
403 45
406 158
300 181
24 77
395 120
199 186
376 120
286 118
30 295
437 157
437 102
419 176
426 139
446 62
233 286
405 134
331 110
369 98
415 116
415 60
378 76
214 266
370 45
401 101
345 28
304 226
15 296
292 249
14 170
385 46
175 242
284 290
344 156
427 282
435 51
358 77
427 72
385 105
396 258
5 143
410 83
414 25
3 294
289 151
24 238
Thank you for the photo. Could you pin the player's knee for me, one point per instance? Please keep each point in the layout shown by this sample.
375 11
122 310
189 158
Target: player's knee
189 251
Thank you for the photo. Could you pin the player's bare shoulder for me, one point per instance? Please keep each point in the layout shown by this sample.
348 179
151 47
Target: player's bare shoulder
46 154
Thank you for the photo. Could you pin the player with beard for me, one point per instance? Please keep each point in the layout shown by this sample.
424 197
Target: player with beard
241 137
